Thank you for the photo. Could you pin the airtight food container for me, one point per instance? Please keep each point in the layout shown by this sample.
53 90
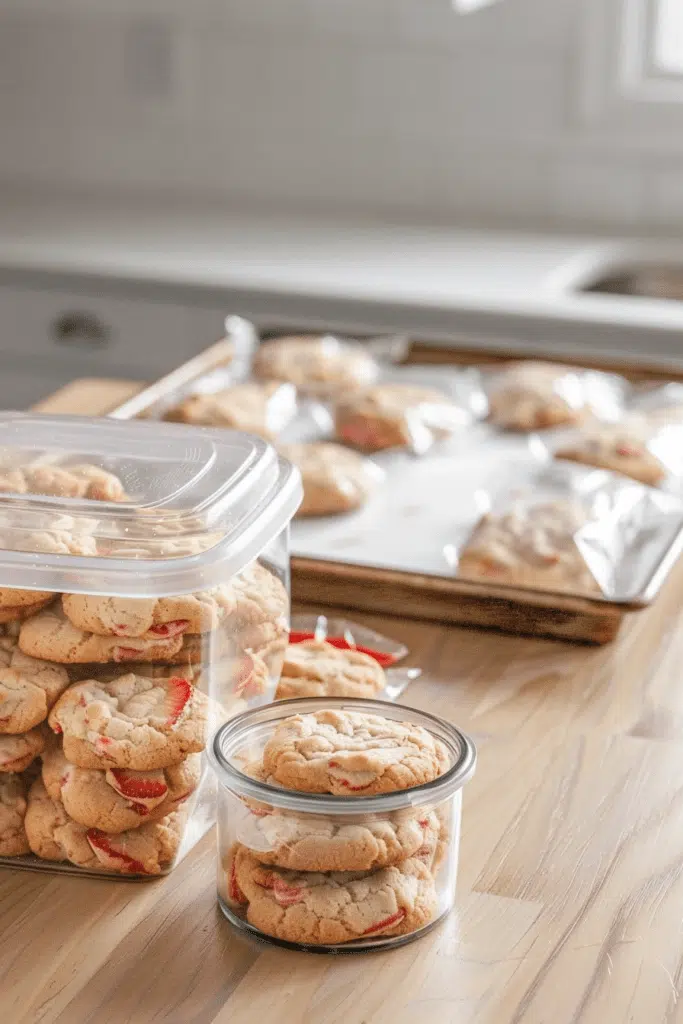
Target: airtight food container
144 600
343 871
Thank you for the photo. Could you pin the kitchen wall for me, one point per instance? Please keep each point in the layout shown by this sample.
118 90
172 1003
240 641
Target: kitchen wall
394 107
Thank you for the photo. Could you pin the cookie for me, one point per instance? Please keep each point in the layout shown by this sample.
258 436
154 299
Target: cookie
28 686
261 409
149 618
18 613
118 799
533 395
14 599
335 479
622 448
530 546
51 534
52 835
394 416
350 753
80 481
315 668
52 636
316 365
13 804
325 909
132 722
17 752
315 843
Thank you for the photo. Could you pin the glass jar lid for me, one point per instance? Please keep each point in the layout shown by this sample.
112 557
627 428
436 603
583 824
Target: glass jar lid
243 738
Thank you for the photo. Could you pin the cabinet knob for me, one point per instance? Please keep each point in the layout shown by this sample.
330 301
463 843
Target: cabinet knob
80 329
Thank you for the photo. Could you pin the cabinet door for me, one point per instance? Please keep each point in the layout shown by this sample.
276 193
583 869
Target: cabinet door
80 333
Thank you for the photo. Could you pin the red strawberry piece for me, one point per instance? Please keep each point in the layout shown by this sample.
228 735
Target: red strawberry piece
82 702
100 842
102 741
138 785
125 653
56 728
178 693
345 782
423 823
286 895
627 449
388 922
120 629
174 628
234 891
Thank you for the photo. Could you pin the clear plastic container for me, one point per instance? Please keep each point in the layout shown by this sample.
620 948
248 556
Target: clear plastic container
328 873
143 601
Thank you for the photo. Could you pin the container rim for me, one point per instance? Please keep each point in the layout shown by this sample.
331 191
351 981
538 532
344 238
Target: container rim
227 740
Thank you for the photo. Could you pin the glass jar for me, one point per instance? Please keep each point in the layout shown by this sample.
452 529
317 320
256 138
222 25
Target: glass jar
320 872
144 599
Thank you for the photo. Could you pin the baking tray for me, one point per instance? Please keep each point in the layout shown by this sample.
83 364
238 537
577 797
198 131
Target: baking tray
327 566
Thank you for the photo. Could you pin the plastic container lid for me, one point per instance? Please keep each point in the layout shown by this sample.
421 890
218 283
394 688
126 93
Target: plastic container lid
199 505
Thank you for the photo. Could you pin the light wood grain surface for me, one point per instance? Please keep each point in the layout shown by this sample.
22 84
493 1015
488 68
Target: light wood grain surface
570 893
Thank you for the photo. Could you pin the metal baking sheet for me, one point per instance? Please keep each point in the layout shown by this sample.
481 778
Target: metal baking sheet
424 501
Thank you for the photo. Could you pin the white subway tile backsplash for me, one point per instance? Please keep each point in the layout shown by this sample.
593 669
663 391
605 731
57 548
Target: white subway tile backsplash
597 191
374 105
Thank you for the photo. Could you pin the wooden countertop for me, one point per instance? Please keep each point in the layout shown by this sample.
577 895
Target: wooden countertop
570 891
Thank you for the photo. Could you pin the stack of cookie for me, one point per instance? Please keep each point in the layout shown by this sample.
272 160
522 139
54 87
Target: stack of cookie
121 680
325 878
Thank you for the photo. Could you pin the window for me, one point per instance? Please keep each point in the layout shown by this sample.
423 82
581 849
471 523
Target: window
667 38
632 72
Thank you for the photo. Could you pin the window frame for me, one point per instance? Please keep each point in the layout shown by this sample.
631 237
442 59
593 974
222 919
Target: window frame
623 97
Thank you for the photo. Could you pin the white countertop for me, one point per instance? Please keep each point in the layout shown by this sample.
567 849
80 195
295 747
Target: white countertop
423 269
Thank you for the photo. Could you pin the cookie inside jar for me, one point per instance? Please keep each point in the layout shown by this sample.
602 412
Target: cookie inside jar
157 610
338 822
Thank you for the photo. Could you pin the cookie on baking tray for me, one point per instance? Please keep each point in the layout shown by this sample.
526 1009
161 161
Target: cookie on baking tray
351 753
132 722
13 804
53 835
621 447
321 365
151 618
308 842
335 478
325 909
18 751
394 416
530 546
257 408
531 395
50 635
118 799
314 668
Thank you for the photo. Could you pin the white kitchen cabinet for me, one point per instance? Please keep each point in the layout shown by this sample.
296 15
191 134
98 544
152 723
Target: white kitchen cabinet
49 335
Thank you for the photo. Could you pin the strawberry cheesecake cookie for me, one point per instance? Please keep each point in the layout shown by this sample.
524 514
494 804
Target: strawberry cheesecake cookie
21 604
18 751
335 479
530 546
315 668
151 618
13 804
255 408
52 636
118 799
623 448
53 835
349 753
394 416
316 365
82 481
314 843
533 395
311 908
28 686
132 722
